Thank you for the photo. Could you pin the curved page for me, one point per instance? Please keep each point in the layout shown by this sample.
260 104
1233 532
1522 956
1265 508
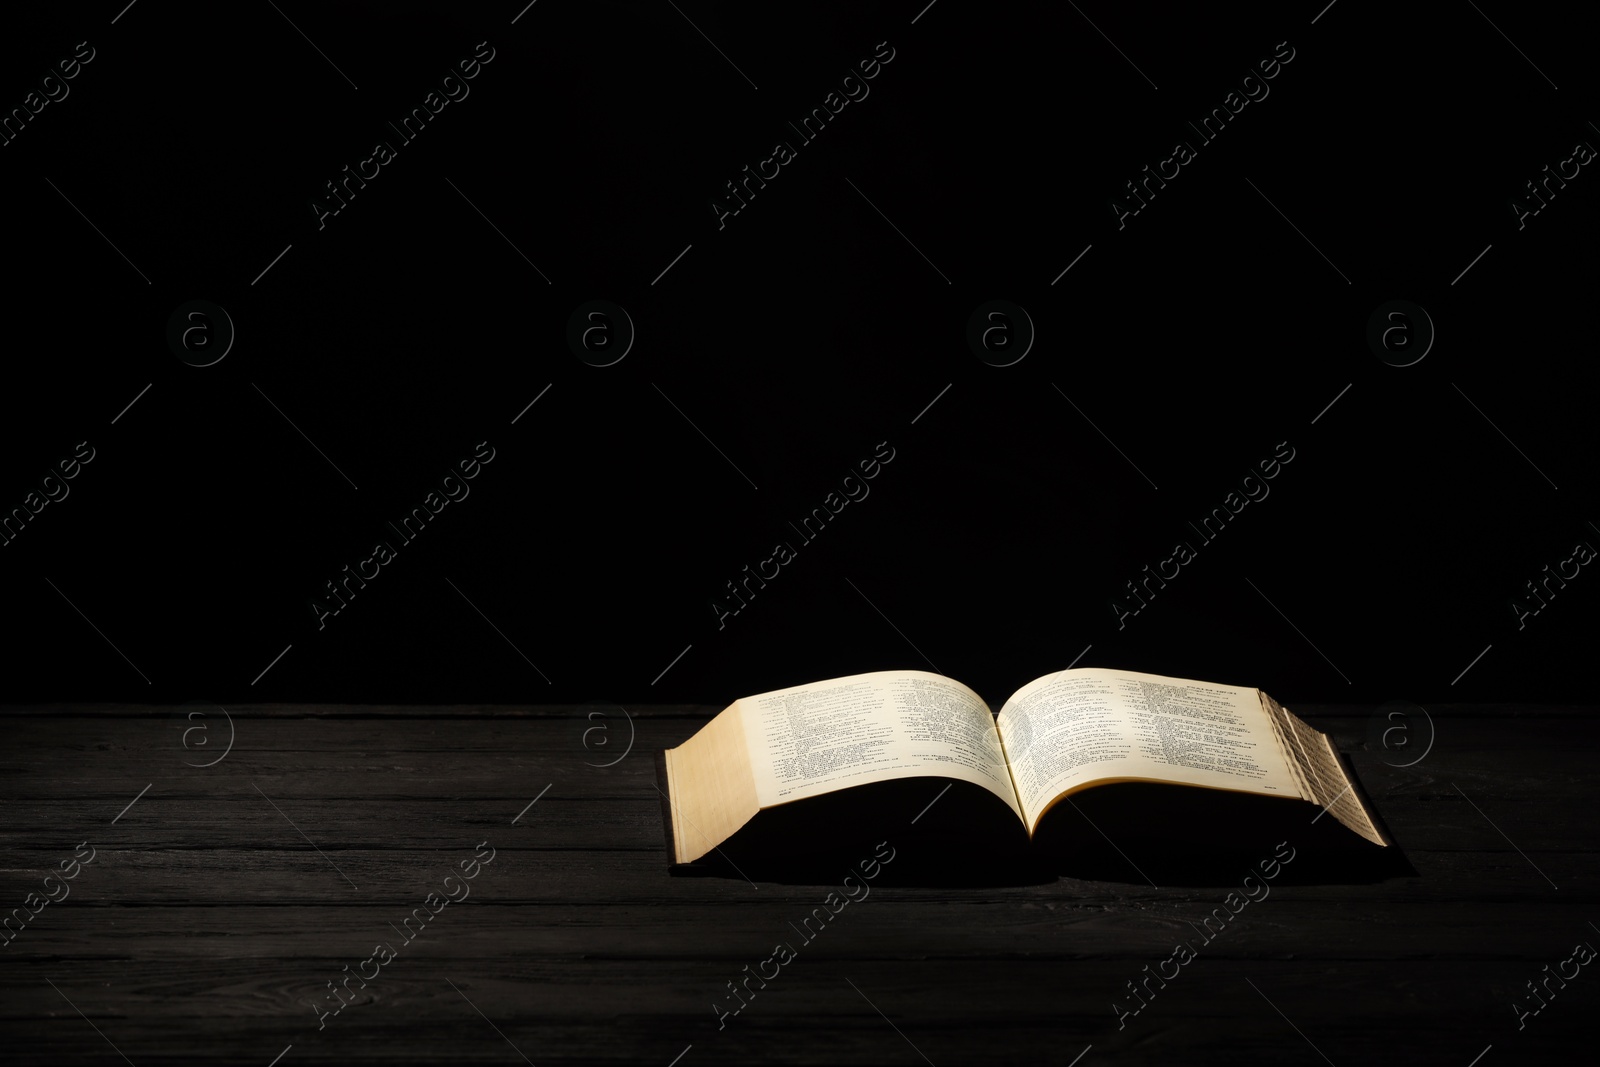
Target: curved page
1069 729
817 738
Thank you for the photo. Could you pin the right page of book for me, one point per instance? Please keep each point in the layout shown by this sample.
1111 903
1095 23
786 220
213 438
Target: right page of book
1315 763
1076 727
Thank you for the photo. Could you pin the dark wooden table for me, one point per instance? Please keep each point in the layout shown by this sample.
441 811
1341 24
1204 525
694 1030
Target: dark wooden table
221 900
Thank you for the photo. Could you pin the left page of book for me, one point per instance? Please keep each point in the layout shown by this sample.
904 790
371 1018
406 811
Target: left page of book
710 790
814 739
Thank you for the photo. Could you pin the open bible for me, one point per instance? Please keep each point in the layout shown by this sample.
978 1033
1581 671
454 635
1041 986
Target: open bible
1057 735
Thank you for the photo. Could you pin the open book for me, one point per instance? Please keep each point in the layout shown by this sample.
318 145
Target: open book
1057 735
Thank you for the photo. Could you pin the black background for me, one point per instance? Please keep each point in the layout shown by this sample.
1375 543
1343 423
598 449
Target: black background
796 338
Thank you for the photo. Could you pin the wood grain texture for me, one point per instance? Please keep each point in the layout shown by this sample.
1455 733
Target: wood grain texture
221 903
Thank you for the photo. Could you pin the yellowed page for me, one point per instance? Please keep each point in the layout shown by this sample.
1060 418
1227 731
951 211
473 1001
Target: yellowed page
709 786
1323 780
1073 728
813 739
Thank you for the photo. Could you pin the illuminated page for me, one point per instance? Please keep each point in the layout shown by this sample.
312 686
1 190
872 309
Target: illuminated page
817 738
1073 728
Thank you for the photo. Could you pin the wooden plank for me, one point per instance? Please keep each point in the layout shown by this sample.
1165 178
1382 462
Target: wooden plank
232 876
236 816
882 926
816 1011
